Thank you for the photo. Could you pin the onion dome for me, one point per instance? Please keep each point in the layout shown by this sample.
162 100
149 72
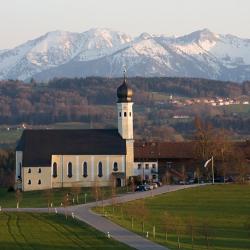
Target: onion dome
124 92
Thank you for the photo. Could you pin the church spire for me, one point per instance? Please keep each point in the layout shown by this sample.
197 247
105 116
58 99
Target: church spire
124 92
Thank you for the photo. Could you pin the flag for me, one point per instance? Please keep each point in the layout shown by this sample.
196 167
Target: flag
207 162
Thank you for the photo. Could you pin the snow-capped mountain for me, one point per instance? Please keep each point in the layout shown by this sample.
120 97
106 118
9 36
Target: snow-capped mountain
103 52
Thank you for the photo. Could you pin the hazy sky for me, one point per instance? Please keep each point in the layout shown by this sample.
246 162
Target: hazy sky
22 20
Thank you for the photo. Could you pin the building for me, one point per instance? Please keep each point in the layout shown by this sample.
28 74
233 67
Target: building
64 158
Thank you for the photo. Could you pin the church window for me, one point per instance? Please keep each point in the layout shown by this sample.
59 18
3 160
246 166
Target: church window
120 114
20 170
100 169
125 114
29 170
54 170
39 170
85 169
29 182
115 168
39 182
130 114
70 170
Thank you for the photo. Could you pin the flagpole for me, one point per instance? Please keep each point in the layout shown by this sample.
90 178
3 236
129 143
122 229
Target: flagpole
213 168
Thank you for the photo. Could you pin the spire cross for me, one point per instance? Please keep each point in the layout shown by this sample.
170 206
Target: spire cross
124 72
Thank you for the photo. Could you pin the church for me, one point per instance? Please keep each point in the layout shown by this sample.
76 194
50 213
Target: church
48 159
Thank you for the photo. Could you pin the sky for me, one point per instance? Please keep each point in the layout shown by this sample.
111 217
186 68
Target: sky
22 20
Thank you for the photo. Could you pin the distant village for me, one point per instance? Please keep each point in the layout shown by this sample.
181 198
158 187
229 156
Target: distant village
217 101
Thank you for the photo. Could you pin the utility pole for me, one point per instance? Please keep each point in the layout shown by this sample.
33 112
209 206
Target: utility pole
212 162
213 169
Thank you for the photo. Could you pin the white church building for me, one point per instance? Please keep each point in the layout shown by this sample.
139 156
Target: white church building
48 159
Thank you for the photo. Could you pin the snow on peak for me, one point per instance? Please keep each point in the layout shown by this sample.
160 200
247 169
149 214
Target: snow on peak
145 36
200 50
106 38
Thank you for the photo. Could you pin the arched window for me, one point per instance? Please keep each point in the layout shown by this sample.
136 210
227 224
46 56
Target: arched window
85 169
39 170
70 169
39 182
130 114
20 170
54 170
120 114
29 171
29 182
100 169
115 167
125 114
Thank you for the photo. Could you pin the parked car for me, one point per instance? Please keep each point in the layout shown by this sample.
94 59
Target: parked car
140 188
191 181
159 184
182 182
148 187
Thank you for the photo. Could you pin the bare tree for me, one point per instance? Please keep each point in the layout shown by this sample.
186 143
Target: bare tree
166 179
183 173
66 203
19 197
198 174
191 228
48 194
76 190
223 150
178 229
132 211
96 190
207 232
144 213
113 192
241 167
168 223
204 140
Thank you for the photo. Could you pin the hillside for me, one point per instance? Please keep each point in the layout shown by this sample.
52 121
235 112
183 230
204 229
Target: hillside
164 108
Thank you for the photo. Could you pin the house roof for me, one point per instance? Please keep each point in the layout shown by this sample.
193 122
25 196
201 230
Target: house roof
178 150
39 145
164 150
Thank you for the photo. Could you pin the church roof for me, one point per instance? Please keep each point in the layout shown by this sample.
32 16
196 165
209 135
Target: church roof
39 145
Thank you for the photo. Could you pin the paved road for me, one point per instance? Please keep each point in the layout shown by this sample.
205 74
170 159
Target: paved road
85 214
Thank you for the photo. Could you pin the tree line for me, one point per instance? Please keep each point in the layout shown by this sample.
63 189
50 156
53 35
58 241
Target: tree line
84 99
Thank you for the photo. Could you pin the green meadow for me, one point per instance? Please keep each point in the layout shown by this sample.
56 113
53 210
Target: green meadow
207 217
41 198
50 232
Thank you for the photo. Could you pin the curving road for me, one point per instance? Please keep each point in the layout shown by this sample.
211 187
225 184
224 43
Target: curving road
85 214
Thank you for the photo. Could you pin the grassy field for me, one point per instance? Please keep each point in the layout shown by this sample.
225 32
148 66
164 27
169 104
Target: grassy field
47 231
218 217
236 108
9 136
40 198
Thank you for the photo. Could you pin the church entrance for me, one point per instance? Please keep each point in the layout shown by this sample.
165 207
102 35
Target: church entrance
118 182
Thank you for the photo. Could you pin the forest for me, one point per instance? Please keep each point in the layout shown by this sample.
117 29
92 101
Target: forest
91 101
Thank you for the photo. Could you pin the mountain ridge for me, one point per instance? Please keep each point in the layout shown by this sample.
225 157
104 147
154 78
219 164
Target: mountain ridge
103 52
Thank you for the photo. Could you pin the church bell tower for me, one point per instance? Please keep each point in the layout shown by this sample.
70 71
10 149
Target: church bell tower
125 110
125 123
